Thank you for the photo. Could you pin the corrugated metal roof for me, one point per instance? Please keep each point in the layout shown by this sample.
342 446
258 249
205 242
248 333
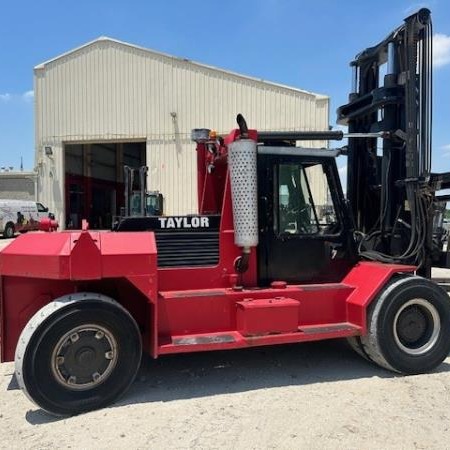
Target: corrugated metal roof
179 59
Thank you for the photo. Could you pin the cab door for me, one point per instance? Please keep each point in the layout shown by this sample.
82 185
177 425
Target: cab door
304 228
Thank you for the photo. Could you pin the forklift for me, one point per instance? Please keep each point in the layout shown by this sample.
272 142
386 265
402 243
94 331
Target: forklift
276 254
138 201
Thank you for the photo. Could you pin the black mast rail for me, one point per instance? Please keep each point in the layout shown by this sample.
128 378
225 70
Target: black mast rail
388 183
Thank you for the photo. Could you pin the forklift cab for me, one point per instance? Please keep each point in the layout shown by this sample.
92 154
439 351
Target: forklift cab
304 228
153 205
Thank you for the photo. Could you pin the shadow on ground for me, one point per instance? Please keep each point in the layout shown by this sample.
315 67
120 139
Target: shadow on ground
195 375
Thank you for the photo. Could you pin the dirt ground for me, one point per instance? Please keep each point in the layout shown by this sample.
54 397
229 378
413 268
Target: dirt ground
312 396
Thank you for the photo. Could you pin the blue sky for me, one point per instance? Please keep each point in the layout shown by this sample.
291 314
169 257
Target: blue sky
300 43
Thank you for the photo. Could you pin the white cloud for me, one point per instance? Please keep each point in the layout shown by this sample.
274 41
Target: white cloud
5 97
28 95
441 50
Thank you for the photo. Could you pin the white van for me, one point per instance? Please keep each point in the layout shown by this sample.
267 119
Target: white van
21 216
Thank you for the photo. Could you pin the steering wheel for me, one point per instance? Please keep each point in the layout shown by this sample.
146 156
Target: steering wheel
299 210
302 227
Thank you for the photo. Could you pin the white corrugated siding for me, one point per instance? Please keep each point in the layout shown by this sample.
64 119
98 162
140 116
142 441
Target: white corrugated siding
108 90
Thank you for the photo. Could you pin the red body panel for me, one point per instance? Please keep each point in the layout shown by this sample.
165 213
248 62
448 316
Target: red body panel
183 309
80 255
37 268
368 278
320 312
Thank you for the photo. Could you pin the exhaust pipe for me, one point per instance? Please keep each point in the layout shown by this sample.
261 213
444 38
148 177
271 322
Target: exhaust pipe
242 156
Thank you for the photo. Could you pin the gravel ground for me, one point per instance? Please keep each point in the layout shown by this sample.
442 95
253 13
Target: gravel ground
317 395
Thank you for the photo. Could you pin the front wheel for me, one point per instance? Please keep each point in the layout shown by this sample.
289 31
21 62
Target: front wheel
78 353
408 326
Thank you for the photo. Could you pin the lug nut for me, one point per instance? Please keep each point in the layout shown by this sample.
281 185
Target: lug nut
99 335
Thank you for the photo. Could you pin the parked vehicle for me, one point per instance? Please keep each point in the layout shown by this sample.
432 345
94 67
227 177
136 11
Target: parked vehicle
139 202
21 216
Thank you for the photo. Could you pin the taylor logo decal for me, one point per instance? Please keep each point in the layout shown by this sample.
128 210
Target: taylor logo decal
183 222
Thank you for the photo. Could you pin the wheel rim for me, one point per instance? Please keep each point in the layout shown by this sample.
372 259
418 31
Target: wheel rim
84 357
9 232
417 326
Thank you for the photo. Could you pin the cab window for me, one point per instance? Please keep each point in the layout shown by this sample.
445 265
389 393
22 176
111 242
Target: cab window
303 203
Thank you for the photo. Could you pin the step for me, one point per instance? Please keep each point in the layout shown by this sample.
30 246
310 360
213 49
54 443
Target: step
202 342
233 339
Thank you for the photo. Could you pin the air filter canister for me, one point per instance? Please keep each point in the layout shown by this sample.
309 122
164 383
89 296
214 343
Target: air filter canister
244 194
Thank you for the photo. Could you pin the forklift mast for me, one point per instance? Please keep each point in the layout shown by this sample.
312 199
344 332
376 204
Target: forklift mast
390 188
131 195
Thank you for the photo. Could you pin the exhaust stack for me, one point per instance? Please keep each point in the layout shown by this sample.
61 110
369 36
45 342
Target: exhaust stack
243 176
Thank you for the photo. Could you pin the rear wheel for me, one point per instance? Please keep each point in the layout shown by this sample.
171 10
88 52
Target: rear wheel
78 353
8 232
408 326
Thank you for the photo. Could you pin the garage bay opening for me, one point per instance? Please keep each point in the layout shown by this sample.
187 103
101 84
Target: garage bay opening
94 180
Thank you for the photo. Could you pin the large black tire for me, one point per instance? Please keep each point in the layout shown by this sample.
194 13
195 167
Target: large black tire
408 326
78 353
9 231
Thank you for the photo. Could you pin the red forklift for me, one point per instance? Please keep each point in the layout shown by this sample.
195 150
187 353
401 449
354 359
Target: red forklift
269 259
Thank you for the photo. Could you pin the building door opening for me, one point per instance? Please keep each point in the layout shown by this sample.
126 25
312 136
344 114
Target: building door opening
94 180
75 206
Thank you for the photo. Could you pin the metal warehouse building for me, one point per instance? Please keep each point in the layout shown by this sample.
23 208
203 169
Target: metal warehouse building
109 103
18 185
